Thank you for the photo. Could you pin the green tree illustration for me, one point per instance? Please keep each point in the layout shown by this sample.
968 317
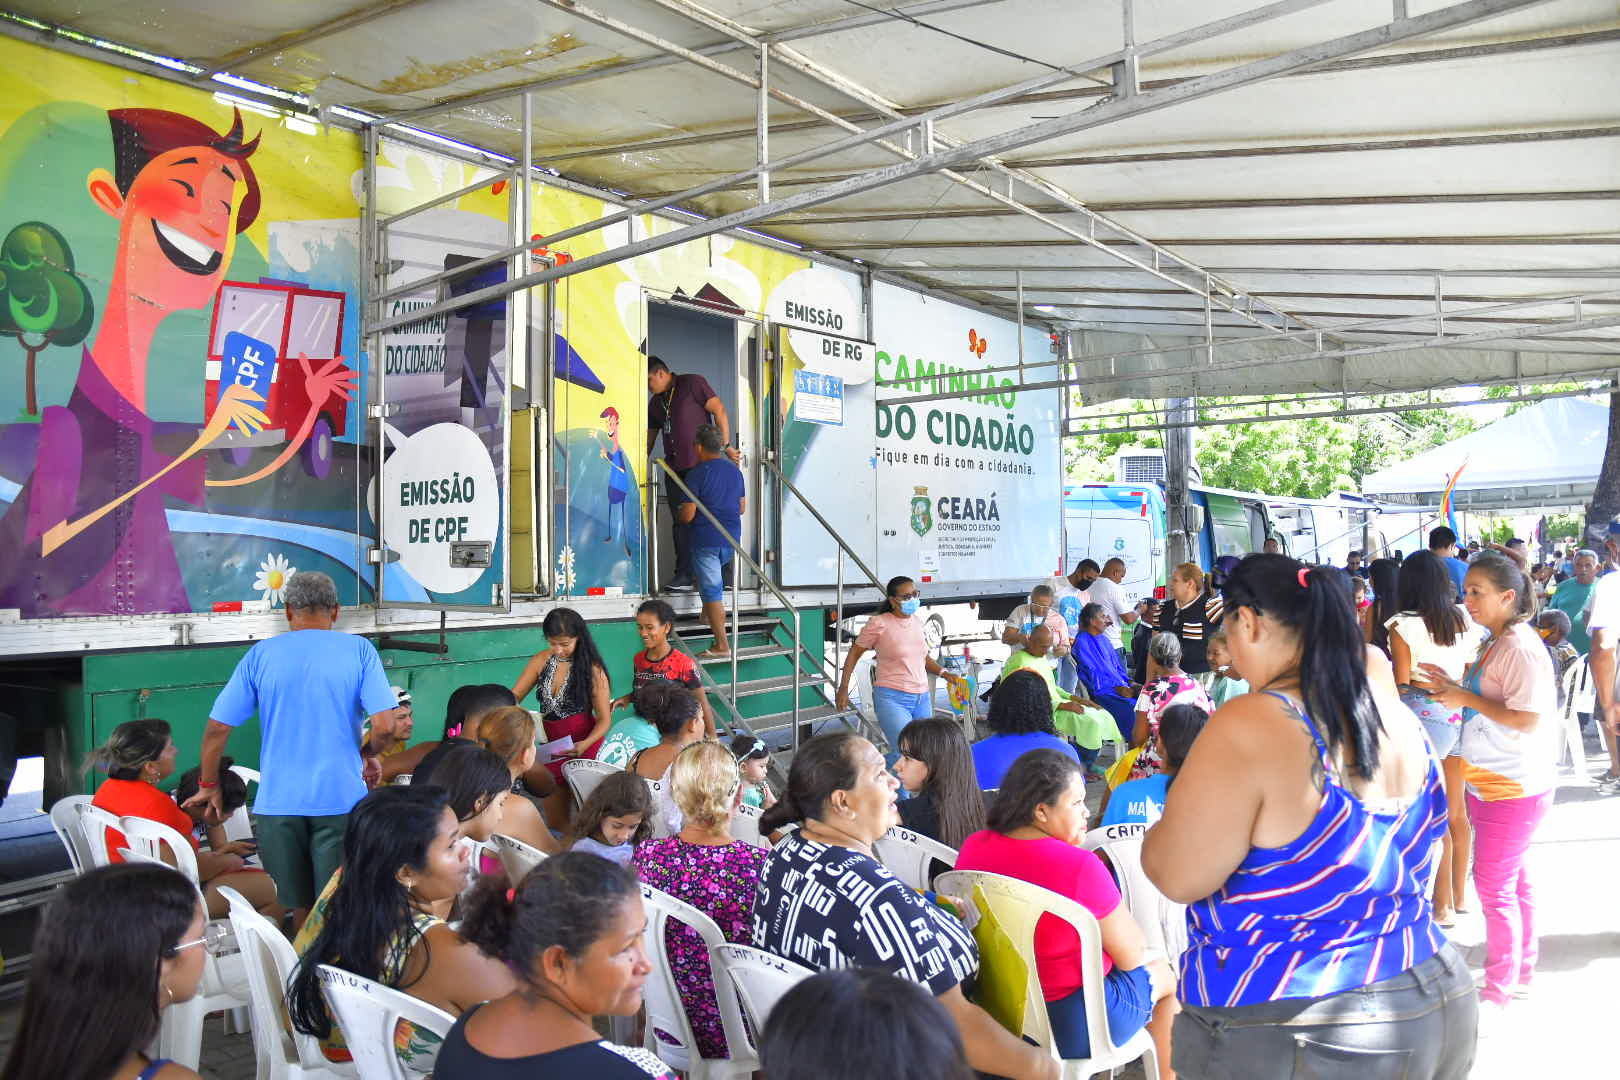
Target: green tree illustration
42 295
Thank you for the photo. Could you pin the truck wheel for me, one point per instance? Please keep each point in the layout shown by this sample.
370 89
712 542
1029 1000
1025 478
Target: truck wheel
317 450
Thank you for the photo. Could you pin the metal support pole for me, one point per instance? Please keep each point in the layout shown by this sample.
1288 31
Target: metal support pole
762 123
1178 457
372 390
1018 279
838 623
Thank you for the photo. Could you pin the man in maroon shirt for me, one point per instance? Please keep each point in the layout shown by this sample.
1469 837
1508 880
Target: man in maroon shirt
677 406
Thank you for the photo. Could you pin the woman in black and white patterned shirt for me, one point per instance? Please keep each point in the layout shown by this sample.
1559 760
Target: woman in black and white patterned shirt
826 902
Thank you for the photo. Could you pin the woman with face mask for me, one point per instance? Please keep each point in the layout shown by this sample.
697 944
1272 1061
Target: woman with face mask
900 684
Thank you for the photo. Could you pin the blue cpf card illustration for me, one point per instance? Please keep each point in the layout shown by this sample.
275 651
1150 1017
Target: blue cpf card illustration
248 362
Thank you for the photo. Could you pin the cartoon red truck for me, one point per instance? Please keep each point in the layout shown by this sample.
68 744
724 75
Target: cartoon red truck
259 331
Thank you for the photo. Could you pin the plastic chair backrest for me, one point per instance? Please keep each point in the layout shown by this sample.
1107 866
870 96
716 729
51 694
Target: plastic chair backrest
368 1012
476 850
909 856
745 827
239 826
759 978
583 774
67 818
150 837
1018 906
1101 835
517 858
94 823
403 778
269 960
1579 695
666 1016
1163 921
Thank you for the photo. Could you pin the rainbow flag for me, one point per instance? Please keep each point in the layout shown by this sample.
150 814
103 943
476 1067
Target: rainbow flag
1447 509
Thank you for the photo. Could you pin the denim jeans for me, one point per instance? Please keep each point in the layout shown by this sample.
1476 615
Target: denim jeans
895 709
708 567
1418 1025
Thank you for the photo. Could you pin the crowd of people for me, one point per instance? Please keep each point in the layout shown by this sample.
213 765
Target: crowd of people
1319 776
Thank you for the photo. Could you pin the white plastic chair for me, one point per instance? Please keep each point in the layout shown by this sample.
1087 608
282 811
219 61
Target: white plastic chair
403 778
67 818
476 850
745 827
93 824
224 986
1162 920
1018 906
517 858
665 1014
367 1013
1579 696
759 978
281 1052
583 774
910 855
239 826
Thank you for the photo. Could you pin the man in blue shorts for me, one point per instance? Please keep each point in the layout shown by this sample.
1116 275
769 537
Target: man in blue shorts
718 484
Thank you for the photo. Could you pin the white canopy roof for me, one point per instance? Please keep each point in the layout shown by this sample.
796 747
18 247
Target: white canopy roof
1393 195
1549 453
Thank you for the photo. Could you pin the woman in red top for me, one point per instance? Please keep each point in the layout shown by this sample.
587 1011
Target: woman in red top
1037 824
136 757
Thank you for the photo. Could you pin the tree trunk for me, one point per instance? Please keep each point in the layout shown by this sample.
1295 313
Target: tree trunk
32 397
1606 498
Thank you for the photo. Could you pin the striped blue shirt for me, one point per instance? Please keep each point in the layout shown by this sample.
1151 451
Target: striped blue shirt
1344 905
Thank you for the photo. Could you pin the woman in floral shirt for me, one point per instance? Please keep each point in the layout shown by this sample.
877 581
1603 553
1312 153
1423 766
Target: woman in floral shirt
1166 685
704 866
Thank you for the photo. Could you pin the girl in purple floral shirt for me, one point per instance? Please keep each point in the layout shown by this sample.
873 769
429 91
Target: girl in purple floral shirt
704 866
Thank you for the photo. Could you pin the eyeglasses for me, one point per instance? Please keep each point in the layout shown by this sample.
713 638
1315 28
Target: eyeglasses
216 939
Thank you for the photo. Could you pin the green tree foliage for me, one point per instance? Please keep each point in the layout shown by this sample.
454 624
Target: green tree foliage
1561 525
1308 457
42 295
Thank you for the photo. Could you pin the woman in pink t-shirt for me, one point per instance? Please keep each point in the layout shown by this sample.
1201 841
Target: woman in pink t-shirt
900 683
1036 826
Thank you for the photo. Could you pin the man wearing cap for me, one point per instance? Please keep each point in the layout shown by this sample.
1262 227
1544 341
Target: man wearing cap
677 406
1604 625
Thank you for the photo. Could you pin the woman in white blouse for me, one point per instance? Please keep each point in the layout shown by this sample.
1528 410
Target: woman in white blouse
1431 628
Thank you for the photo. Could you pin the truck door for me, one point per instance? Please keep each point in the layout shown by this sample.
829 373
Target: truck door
1129 537
443 415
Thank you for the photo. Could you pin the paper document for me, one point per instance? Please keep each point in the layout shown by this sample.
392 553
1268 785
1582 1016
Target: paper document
550 750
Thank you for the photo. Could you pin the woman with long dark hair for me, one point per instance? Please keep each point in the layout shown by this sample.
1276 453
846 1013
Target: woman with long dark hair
1383 575
114 949
402 855
570 683
1035 830
678 715
572 933
1431 628
137 757
1301 832
900 678
1509 739
936 768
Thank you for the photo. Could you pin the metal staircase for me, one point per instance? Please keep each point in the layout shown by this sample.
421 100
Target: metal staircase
769 657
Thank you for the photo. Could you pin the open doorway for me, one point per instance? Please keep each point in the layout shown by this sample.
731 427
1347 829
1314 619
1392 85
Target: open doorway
721 350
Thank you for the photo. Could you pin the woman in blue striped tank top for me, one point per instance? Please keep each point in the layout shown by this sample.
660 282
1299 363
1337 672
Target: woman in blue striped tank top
1302 831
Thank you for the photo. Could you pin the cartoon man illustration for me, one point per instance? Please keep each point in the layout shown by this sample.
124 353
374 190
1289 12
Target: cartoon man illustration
88 533
618 476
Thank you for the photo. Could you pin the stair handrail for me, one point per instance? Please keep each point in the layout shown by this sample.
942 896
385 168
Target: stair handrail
871 575
760 576
843 549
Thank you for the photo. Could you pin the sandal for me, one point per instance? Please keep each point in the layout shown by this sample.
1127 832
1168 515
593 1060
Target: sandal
711 654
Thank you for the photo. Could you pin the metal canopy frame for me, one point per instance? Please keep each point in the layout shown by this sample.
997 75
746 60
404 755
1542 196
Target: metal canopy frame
926 152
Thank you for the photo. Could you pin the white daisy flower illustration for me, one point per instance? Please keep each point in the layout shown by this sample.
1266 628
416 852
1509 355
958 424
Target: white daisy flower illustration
565 570
274 574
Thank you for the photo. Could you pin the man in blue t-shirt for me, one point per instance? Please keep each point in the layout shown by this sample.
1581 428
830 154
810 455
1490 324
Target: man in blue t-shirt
718 485
1443 542
1142 801
313 688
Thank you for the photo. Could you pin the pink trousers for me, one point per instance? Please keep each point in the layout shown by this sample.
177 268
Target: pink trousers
1502 832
